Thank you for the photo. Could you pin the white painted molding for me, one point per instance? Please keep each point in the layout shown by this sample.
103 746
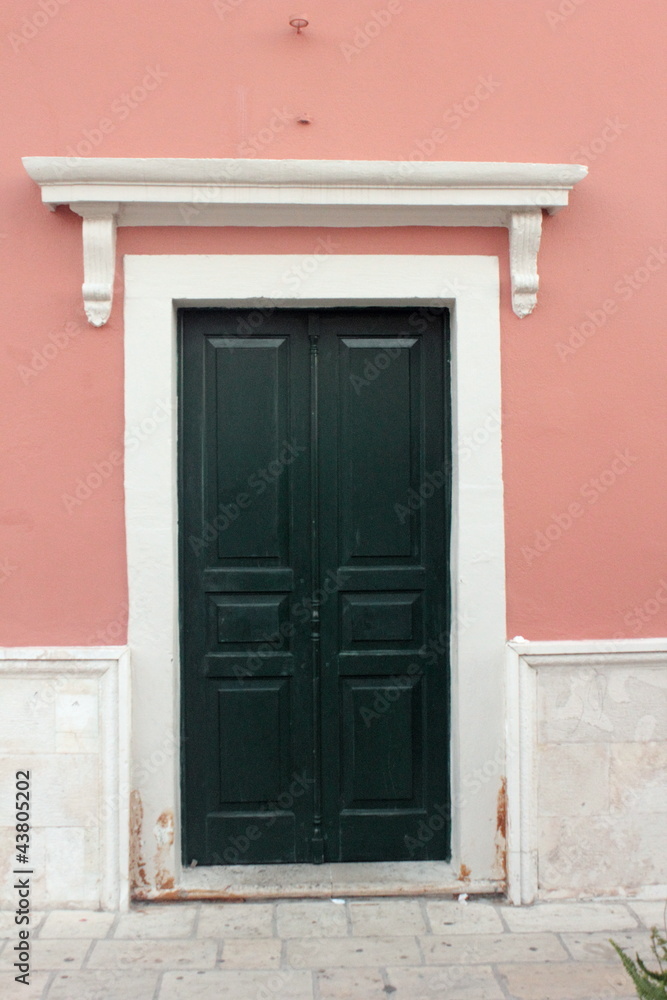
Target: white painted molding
525 231
110 665
523 660
236 192
99 259
469 286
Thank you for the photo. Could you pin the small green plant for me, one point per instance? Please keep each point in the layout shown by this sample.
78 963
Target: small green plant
650 984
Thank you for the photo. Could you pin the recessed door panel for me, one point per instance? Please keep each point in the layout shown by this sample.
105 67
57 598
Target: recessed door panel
252 512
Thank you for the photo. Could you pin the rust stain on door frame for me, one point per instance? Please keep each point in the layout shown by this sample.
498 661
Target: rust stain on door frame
138 880
501 829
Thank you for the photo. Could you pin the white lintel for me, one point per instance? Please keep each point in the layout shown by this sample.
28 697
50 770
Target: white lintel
236 192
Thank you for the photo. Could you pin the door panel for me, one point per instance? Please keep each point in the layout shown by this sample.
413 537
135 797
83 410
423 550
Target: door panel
314 583
246 439
375 421
382 430
247 694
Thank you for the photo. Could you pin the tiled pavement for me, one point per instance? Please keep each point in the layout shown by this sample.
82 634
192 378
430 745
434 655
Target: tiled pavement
403 949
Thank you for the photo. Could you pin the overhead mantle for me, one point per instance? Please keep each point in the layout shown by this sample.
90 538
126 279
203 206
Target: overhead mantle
108 193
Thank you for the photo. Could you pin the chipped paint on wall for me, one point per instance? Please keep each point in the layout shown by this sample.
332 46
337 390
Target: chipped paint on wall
501 830
138 878
164 837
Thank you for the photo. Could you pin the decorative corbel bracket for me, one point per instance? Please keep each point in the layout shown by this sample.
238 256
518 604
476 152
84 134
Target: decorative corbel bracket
322 193
99 258
525 232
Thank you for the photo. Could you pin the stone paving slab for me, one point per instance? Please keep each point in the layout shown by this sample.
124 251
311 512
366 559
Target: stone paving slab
55 954
488 948
251 953
158 922
386 917
76 923
447 916
244 920
346 984
104 985
360 949
314 919
153 955
313 953
597 948
566 981
10 990
233 985
652 913
7 924
569 917
472 982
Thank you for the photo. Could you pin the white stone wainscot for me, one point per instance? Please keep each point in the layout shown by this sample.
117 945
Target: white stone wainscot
65 717
587 789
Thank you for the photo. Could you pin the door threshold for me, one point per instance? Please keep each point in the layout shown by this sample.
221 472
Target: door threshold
301 881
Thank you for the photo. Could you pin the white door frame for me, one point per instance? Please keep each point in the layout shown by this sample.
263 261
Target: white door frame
155 286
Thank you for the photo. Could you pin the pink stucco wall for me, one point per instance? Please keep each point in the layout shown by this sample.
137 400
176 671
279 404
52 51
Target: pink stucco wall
527 80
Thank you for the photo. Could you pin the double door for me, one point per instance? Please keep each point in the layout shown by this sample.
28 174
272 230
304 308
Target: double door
314 526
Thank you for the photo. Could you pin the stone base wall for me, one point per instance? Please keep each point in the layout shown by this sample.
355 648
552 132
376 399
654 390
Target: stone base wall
594 822
64 717
586 775
602 778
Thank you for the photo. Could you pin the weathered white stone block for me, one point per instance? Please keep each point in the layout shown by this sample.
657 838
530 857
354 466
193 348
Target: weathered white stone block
64 717
72 866
573 779
77 723
587 795
598 703
26 716
638 778
602 855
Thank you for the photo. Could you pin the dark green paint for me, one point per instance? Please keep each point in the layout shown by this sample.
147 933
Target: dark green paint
314 585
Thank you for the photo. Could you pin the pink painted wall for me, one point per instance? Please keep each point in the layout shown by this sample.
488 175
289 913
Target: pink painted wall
556 81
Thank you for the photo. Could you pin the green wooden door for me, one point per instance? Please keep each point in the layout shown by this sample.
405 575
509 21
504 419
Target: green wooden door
314 527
